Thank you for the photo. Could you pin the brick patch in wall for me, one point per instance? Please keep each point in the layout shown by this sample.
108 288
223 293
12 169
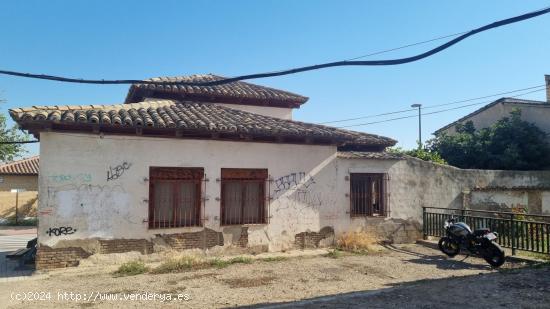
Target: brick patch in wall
312 239
49 258
243 239
125 245
206 238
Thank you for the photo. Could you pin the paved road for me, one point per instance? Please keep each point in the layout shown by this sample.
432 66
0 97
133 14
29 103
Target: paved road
11 240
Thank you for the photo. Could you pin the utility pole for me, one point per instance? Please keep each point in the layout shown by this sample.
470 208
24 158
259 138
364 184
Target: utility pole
419 106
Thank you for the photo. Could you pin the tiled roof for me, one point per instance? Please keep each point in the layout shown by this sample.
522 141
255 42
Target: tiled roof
187 119
235 92
28 166
501 100
370 155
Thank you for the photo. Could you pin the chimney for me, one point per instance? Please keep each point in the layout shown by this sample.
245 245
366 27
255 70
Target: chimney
547 79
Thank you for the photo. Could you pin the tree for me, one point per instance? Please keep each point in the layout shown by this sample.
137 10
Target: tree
509 144
9 151
423 154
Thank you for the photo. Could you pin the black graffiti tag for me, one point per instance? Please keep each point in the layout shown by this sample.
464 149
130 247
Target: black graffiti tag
115 172
62 230
291 181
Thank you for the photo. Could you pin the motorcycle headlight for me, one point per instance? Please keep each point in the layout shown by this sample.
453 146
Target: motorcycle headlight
446 225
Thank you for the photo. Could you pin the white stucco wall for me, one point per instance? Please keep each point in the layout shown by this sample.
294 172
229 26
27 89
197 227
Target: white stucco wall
75 193
277 112
77 201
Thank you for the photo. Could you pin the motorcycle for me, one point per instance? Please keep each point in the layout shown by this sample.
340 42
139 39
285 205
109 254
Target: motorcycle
481 242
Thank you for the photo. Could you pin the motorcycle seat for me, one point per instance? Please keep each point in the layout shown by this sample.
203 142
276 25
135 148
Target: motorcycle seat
481 232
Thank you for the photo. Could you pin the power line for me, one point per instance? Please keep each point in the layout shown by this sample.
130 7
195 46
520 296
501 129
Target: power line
418 57
435 112
408 45
433 106
20 142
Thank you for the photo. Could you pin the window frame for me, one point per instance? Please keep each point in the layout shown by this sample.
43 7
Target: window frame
175 175
382 193
244 175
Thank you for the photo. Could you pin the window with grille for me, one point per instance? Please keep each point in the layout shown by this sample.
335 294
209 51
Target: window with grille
243 196
175 197
368 194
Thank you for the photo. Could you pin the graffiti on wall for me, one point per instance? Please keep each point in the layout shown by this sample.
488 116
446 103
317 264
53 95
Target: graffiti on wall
114 173
97 209
72 178
293 181
295 191
62 230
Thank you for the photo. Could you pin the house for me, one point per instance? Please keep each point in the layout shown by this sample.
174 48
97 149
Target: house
20 175
223 168
537 112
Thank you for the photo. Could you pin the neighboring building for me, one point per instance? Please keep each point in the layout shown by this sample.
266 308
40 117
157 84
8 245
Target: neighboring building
536 112
178 174
21 174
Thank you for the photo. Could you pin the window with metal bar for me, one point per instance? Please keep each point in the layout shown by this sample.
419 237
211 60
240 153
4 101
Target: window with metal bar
243 196
367 194
175 197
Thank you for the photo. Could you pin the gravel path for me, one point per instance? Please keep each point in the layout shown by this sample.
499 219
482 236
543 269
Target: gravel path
391 277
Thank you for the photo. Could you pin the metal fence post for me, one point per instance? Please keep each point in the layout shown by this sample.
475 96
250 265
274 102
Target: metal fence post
513 234
424 232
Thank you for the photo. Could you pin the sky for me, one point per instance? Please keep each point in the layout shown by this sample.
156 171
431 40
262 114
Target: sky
143 39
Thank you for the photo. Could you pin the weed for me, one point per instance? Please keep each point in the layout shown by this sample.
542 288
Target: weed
356 242
219 263
241 260
274 259
178 265
131 269
334 254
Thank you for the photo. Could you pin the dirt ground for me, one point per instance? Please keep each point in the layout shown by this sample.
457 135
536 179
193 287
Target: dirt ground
401 276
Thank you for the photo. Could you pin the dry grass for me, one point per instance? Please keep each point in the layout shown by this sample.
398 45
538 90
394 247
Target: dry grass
248 282
357 242
186 263
178 265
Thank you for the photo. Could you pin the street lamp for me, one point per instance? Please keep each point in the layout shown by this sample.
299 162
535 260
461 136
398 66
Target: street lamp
419 106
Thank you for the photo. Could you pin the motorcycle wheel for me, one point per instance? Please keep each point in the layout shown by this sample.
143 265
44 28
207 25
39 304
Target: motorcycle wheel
448 246
494 255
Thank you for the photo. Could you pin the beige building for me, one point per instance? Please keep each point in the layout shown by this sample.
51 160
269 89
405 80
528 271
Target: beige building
23 176
537 112
228 170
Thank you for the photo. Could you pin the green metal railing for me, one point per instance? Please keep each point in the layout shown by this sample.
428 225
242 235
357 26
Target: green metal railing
516 231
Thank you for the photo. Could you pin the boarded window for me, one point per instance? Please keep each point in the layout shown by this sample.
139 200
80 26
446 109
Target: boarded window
175 197
243 196
368 195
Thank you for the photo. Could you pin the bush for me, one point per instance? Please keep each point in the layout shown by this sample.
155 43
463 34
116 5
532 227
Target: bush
131 269
357 242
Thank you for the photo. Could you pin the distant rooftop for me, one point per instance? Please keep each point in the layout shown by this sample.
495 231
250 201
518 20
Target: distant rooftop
28 166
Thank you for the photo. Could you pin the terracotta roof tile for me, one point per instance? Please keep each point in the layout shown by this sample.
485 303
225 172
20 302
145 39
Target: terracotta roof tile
188 118
370 155
236 92
28 166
